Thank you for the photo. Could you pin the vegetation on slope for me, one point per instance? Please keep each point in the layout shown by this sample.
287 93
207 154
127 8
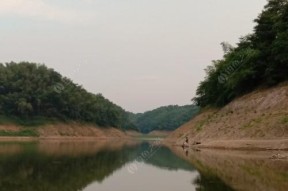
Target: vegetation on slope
259 59
35 93
166 118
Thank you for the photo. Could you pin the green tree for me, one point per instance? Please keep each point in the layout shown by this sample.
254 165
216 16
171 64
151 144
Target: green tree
259 59
33 90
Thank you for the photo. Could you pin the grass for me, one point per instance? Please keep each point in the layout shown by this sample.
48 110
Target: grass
247 125
29 125
252 123
284 120
21 133
206 121
28 121
200 125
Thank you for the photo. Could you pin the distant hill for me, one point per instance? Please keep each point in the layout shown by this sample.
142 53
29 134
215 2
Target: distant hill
30 92
167 118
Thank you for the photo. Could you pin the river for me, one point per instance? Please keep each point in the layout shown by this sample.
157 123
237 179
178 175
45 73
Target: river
134 165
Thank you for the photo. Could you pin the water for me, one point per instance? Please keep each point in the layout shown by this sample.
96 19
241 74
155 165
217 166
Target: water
130 166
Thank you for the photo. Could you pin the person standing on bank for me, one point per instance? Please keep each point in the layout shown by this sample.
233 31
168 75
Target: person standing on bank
186 143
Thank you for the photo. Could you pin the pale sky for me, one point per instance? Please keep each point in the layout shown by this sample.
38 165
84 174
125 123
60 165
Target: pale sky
140 54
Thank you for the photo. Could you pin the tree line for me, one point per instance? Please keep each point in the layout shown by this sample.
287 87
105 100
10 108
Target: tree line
167 118
29 90
260 59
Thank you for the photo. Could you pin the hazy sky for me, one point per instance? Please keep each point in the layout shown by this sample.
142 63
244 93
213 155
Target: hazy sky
140 54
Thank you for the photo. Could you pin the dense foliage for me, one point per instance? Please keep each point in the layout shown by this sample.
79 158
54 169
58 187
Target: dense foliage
259 59
30 90
166 118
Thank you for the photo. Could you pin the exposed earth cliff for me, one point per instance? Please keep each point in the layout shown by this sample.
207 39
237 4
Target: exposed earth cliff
255 120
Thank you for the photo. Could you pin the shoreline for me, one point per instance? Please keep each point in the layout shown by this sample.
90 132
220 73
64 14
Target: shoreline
72 131
57 138
237 145
255 121
243 144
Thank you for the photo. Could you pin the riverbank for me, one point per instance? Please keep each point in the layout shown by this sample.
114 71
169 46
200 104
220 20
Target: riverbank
72 132
256 121
245 145
58 131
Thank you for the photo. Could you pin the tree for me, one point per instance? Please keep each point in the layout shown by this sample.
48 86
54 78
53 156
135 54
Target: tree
29 89
259 59
166 118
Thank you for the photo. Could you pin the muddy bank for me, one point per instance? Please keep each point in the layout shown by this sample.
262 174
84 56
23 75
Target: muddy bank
256 120
58 131
244 144
272 144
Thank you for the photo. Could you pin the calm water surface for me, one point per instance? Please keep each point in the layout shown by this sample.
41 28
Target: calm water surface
130 166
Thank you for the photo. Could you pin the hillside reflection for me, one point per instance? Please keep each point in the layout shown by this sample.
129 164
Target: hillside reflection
69 166
237 170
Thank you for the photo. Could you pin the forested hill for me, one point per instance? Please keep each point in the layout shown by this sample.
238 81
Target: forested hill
29 90
260 59
166 118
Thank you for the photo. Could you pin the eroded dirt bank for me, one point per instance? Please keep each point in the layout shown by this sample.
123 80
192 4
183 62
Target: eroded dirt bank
56 131
256 120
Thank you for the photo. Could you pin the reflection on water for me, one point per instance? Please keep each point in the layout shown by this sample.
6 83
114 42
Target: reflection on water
241 170
101 166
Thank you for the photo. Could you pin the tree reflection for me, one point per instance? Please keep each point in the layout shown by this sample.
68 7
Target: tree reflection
31 170
27 168
210 183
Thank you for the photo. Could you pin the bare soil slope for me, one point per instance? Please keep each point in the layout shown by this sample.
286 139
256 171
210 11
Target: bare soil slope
71 130
260 115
